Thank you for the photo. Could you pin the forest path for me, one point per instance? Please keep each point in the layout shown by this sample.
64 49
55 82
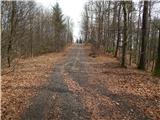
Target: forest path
55 100
78 91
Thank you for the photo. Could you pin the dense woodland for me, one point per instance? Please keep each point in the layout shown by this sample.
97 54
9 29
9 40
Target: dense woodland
128 30
112 72
29 29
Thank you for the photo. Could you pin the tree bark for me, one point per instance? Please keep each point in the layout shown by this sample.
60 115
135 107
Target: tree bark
130 35
12 27
157 64
142 61
119 34
124 36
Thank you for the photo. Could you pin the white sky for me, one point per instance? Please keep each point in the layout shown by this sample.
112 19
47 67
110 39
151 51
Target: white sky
71 8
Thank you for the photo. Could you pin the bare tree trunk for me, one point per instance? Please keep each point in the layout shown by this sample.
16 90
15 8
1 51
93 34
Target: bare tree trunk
149 40
114 25
86 23
12 27
157 63
99 28
31 39
138 43
130 36
142 62
108 24
119 34
124 36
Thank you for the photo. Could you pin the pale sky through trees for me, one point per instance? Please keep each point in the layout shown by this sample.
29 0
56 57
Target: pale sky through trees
71 8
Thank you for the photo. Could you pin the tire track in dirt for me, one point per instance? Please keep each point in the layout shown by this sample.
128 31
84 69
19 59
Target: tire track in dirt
55 100
98 100
69 95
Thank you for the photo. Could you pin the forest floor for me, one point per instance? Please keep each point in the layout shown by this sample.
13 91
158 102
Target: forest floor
19 86
80 87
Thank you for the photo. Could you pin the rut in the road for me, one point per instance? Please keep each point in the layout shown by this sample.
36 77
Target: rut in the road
71 95
55 100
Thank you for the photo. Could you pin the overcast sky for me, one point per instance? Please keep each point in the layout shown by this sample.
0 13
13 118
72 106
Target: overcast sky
71 8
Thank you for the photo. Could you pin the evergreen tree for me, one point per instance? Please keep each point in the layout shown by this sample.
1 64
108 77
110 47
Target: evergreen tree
59 26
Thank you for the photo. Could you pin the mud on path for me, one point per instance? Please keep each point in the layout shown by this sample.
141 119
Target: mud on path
80 89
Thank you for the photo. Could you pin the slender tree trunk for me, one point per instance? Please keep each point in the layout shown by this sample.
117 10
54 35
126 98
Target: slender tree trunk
153 50
130 36
142 62
108 24
119 34
148 57
12 27
114 25
99 28
130 46
124 36
86 24
138 43
31 38
157 63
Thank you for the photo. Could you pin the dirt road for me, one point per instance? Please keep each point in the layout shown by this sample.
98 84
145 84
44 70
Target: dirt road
71 94
56 101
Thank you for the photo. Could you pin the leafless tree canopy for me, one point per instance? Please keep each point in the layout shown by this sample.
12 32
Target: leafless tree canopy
128 30
29 30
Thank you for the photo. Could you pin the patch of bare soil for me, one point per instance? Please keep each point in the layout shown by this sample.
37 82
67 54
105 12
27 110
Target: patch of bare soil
121 93
22 84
